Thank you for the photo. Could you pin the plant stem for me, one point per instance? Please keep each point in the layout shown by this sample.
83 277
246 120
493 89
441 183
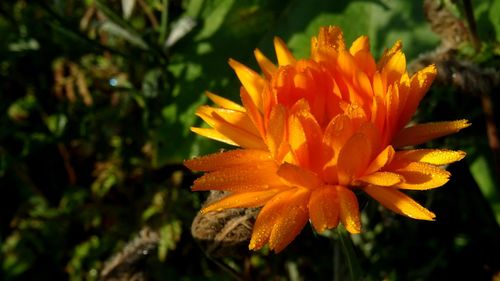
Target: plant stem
349 254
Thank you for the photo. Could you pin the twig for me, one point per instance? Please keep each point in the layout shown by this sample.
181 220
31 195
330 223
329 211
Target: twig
149 14
124 263
469 15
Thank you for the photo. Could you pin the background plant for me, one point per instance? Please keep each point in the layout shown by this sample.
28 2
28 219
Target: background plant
97 98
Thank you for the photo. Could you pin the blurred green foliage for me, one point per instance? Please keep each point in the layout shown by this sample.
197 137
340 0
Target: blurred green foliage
97 98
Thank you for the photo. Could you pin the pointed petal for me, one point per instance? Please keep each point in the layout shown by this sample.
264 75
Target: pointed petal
349 209
361 44
432 156
388 53
395 67
253 113
360 50
236 118
284 55
399 202
241 200
353 158
291 221
382 178
223 160
267 218
330 172
372 134
224 103
331 37
276 130
419 85
298 140
417 175
296 176
422 133
212 134
239 177
336 134
305 138
252 81
265 64
381 160
238 135
324 208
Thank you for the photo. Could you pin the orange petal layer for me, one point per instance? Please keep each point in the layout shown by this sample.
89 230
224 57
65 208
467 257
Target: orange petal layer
431 156
239 177
291 221
421 133
252 81
284 55
241 200
227 159
382 178
296 176
353 158
399 202
349 209
213 134
224 103
271 214
418 176
324 208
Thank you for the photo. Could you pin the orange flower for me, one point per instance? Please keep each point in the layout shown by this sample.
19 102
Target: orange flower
312 131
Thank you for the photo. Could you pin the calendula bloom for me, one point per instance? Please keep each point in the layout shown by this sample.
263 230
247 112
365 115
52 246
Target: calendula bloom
312 131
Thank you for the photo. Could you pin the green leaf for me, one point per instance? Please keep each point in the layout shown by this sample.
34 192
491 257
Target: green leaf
125 34
170 234
482 171
214 14
117 26
56 124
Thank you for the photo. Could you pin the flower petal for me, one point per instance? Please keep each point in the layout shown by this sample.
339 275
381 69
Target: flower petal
381 160
324 208
283 55
297 176
353 158
432 156
267 217
349 209
252 81
265 64
224 103
417 175
382 178
336 134
241 200
419 84
228 159
253 113
238 135
276 131
329 38
240 177
389 53
399 202
213 134
237 118
422 133
305 138
394 67
361 44
291 221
